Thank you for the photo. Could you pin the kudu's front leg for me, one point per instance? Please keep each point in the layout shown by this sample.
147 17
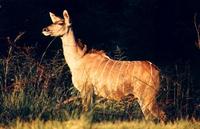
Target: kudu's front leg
87 95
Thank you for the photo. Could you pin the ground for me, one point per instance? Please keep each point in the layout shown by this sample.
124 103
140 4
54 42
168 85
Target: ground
85 124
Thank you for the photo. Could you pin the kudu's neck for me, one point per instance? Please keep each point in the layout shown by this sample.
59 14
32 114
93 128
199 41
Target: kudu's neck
72 52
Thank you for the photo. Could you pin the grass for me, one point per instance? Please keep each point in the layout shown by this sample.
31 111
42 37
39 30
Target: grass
84 124
35 93
32 88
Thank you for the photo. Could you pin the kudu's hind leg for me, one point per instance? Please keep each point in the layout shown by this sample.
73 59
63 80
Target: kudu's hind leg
157 111
151 110
147 114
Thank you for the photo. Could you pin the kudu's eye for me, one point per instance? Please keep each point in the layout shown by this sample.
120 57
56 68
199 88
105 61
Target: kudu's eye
61 23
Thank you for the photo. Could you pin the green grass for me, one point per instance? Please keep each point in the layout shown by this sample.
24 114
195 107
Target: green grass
84 124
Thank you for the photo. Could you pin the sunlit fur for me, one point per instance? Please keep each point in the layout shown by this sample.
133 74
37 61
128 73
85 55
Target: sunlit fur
94 72
59 26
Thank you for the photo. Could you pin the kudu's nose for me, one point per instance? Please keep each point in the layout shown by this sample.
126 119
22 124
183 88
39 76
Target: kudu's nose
45 29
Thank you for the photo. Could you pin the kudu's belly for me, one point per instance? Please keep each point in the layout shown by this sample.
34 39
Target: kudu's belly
114 94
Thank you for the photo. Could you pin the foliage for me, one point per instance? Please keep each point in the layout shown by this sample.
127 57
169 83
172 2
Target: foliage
32 89
179 93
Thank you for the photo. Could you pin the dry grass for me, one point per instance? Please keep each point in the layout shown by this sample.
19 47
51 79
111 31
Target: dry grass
84 124
37 90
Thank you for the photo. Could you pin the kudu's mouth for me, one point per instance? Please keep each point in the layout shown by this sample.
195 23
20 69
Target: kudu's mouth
46 32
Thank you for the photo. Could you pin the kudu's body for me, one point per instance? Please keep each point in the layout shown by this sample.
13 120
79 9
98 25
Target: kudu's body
94 72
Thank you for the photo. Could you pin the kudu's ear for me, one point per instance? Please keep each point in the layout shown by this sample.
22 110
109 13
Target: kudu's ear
53 17
66 17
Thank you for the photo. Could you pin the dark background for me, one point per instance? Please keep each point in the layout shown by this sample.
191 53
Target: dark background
161 31
156 30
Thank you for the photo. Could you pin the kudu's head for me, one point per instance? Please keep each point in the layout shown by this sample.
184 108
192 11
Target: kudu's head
59 27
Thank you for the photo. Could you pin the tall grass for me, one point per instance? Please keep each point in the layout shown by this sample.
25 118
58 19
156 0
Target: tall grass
31 88
179 92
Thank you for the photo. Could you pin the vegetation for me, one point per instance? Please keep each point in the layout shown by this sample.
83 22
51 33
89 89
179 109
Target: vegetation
84 124
34 88
38 93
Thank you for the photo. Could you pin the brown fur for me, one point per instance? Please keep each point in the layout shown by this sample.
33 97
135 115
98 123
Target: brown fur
94 72
115 80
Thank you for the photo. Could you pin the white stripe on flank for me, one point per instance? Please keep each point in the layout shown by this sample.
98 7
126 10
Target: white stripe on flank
119 73
151 72
100 76
103 69
138 80
128 62
132 72
98 66
111 72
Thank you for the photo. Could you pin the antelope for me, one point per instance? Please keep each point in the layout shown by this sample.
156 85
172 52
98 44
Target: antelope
93 72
